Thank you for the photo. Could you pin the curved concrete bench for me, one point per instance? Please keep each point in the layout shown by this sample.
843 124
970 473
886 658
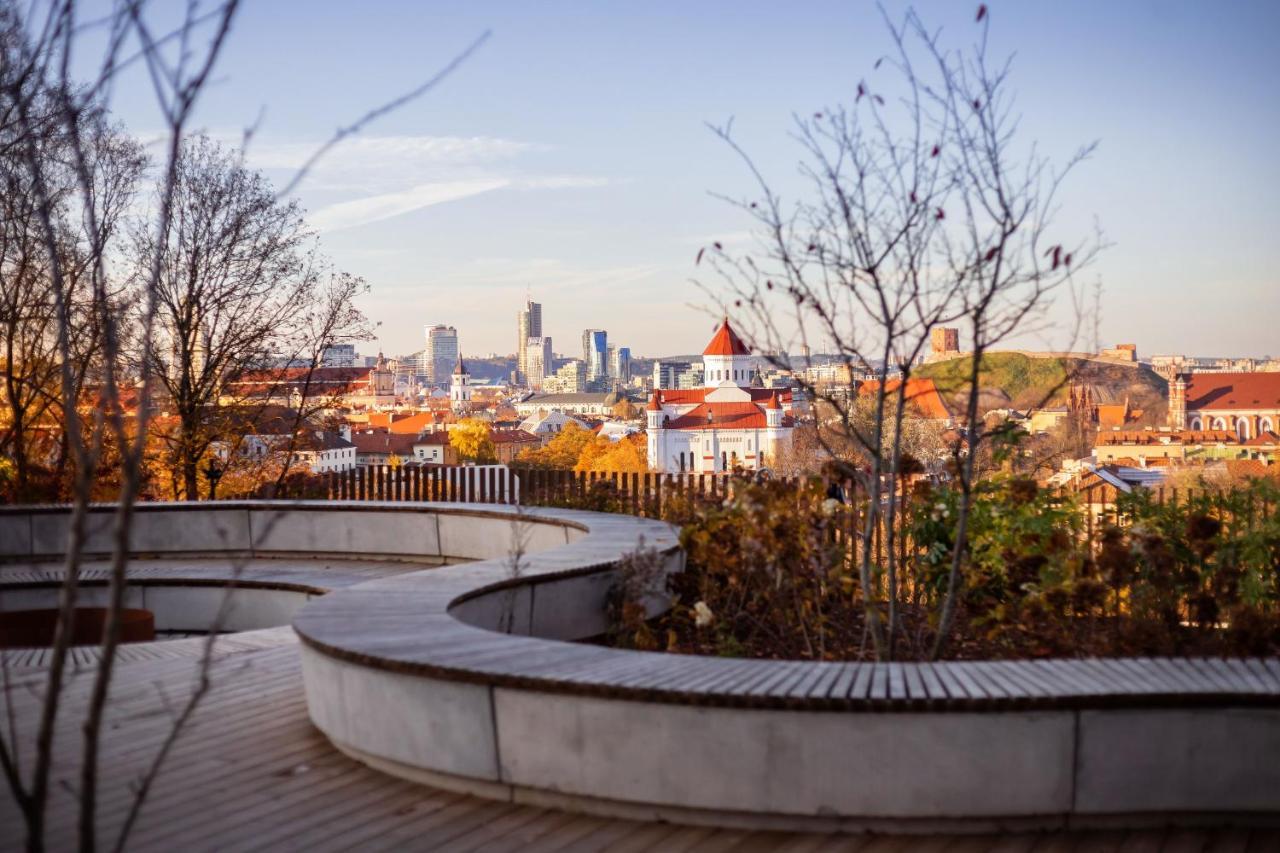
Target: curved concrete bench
459 676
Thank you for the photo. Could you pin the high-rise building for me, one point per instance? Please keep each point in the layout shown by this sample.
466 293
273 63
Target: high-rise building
339 355
538 361
595 353
620 363
440 354
528 325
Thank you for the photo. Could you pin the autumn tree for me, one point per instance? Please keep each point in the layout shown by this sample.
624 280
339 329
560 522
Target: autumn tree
562 451
627 455
473 442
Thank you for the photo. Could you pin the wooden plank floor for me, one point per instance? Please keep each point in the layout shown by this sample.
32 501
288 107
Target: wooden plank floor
250 773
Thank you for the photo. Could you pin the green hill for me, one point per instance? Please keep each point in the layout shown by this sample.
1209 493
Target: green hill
1021 381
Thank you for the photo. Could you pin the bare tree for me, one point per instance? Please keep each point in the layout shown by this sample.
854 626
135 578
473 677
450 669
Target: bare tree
59 158
234 285
921 212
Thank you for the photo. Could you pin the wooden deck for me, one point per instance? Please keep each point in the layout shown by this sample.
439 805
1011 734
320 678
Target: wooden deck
251 773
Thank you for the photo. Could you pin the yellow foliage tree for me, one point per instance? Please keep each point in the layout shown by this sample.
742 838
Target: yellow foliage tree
472 441
627 455
562 451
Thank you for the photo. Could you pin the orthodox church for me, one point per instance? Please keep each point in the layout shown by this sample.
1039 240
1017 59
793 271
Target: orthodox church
731 422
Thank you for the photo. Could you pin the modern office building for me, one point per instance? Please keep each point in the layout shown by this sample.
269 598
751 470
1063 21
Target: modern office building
538 361
440 354
339 355
595 353
620 364
528 325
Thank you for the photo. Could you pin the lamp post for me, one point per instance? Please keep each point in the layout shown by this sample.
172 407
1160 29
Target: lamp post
214 473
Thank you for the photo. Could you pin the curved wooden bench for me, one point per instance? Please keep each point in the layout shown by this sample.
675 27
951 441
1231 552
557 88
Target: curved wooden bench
459 676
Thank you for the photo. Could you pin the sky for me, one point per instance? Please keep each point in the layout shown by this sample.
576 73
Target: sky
569 158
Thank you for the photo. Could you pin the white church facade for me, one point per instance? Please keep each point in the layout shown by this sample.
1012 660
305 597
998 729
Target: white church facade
724 425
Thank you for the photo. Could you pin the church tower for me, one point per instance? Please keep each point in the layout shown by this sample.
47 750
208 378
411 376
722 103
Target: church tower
726 360
460 387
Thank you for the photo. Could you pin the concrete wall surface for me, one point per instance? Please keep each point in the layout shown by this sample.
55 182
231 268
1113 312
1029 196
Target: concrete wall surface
460 675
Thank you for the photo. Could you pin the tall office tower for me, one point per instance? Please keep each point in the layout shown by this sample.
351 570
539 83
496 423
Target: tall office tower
595 353
528 325
441 353
538 364
620 363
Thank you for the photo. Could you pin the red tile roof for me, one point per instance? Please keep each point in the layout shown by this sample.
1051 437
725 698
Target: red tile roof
726 342
723 416
412 424
921 393
685 396
383 442
1263 439
512 436
1225 391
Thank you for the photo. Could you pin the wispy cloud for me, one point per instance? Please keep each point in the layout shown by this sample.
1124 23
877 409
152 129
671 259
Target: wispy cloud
372 155
362 211
364 180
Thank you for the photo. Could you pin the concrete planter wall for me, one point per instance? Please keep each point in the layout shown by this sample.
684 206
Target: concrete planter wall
458 675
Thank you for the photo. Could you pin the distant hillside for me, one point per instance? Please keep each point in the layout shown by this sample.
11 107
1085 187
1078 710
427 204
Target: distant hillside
1020 381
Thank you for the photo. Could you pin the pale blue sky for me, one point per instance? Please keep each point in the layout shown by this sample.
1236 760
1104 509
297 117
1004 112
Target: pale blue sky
570 154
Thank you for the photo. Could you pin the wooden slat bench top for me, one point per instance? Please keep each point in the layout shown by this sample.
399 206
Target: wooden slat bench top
251 773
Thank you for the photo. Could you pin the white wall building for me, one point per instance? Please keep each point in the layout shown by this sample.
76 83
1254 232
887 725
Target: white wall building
723 425
460 388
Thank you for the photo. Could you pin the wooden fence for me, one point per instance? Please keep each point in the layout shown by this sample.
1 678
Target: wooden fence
634 493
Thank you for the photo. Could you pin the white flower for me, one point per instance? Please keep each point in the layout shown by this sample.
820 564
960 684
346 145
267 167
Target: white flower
830 505
702 615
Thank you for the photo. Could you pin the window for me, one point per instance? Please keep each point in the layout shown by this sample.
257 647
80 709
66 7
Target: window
724 461
682 461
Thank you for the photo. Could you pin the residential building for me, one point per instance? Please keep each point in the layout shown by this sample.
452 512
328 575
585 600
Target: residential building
548 424
1247 404
570 378
595 354
325 451
433 449
379 447
510 443
538 361
441 353
723 425
528 325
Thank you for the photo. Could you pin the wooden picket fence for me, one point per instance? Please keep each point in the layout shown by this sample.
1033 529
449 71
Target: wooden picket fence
634 493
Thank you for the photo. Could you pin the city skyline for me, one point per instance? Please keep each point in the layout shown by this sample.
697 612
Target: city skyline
495 182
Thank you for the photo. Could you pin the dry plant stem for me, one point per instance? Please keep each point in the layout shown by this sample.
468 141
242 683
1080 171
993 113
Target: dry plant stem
911 225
